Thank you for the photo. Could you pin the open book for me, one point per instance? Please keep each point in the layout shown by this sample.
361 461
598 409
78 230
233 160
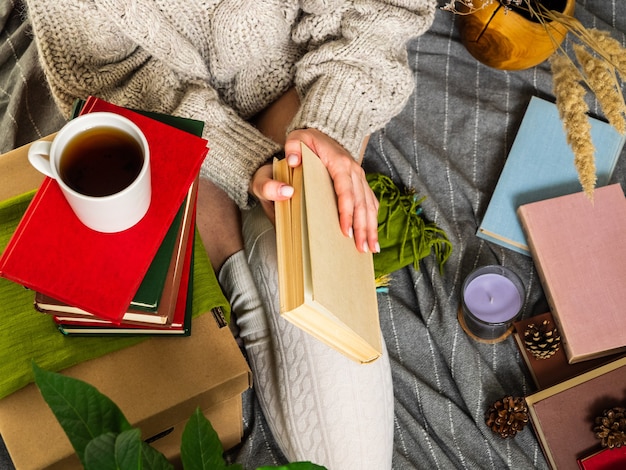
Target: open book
327 287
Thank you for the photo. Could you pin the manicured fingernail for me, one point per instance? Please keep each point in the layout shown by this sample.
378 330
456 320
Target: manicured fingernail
292 159
366 247
377 248
350 232
286 191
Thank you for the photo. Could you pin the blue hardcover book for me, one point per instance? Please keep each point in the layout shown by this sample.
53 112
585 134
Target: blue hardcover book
540 165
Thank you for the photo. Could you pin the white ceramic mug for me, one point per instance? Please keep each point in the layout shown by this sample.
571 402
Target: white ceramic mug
102 164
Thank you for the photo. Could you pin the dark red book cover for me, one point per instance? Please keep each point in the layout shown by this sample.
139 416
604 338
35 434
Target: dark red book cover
554 369
52 252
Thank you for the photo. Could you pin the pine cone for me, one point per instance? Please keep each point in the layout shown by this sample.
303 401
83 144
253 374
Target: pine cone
507 416
542 341
611 427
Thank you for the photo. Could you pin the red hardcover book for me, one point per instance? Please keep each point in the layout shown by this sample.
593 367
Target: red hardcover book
164 315
605 459
579 251
179 324
52 252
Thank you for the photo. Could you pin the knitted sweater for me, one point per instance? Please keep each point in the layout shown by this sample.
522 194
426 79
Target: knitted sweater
222 61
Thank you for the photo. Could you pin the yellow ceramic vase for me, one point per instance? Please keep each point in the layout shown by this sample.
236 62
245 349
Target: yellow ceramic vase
509 40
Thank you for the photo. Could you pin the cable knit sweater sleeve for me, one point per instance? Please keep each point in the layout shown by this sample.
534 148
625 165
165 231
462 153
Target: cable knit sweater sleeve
88 48
355 76
348 57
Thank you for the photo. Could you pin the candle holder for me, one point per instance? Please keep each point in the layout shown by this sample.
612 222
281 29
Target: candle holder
491 300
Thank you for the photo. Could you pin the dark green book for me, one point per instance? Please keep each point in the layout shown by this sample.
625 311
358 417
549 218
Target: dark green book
151 289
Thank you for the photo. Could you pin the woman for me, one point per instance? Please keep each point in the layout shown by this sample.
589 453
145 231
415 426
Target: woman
261 73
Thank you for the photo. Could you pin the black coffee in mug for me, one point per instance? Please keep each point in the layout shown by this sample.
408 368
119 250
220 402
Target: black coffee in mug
101 161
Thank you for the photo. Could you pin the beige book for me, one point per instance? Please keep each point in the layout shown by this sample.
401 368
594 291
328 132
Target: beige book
326 287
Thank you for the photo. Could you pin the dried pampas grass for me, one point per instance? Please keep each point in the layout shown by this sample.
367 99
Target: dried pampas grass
598 65
570 99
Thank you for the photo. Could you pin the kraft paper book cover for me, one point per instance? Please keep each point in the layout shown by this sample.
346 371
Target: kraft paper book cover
326 286
563 415
579 250
540 165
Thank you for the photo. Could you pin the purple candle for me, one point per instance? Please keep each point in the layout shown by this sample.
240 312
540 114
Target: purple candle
492 299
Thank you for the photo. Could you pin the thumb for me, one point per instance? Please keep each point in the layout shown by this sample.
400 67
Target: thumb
273 190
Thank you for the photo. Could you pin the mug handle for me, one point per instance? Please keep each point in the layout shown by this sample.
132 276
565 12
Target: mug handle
39 157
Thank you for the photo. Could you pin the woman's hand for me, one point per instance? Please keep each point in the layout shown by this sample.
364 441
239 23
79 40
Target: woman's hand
358 207
267 190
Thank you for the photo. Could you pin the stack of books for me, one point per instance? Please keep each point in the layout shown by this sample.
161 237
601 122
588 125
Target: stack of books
538 209
576 244
160 304
134 282
567 399
577 247
563 417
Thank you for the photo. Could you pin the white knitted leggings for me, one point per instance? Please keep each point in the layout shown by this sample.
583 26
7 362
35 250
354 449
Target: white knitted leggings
320 406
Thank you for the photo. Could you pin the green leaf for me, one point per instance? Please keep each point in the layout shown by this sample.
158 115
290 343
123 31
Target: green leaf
128 449
125 451
295 466
100 452
82 411
153 459
201 448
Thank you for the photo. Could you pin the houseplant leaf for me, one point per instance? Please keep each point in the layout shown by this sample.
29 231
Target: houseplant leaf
82 411
200 447
123 451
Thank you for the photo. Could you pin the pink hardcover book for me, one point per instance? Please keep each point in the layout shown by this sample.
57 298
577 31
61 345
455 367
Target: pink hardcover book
579 250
